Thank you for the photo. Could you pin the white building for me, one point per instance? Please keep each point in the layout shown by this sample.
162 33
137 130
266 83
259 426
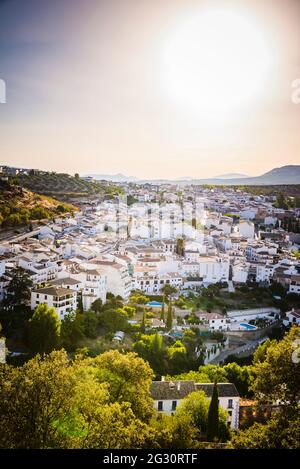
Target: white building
294 286
64 300
246 229
168 395
292 317
119 281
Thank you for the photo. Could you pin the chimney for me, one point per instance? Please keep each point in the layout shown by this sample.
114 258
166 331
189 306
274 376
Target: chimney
163 378
178 386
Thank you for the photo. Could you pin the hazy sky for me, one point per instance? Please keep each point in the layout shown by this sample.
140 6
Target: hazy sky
88 89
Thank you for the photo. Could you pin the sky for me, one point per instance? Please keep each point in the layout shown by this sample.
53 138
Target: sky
149 88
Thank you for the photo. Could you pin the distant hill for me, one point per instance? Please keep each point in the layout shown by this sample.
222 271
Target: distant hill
114 177
231 176
285 175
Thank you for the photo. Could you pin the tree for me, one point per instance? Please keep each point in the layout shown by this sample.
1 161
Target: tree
143 323
90 324
80 304
180 247
162 312
44 329
177 357
129 378
213 416
72 331
31 398
278 433
113 320
169 321
197 406
18 289
97 305
277 378
168 290
151 349
239 376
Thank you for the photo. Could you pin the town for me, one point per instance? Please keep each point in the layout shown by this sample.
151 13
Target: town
210 272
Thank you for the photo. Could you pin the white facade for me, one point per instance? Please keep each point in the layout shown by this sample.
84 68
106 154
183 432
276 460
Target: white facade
64 300
246 229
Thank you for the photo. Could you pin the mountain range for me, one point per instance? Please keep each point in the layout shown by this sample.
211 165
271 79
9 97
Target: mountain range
289 174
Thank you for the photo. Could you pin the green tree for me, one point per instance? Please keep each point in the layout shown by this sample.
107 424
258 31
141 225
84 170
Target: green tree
44 329
169 322
177 357
143 323
18 289
97 306
162 312
278 433
197 406
113 320
129 378
213 416
31 398
277 377
180 247
90 324
168 290
72 331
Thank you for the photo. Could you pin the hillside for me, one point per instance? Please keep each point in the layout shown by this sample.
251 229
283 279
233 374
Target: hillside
62 186
19 206
285 175
58 184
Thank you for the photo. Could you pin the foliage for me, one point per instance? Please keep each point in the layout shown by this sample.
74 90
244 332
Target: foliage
44 329
197 405
277 377
72 331
213 416
169 321
278 433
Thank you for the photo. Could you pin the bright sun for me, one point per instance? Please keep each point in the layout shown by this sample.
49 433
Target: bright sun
214 63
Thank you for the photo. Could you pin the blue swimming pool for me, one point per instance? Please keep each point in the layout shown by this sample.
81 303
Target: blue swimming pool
247 326
154 303
178 335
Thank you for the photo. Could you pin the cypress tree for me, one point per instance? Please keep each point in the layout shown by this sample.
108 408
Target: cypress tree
213 416
162 312
143 324
169 322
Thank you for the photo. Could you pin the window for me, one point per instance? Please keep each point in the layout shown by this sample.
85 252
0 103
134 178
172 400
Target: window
230 413
174 405
160 405
230 403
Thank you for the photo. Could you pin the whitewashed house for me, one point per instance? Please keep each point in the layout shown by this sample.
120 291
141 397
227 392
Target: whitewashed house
167 395
64 300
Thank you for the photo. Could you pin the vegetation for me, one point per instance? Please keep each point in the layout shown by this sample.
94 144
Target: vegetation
44 330
19 206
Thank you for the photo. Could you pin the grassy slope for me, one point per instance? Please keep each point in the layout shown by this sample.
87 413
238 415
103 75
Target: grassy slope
63 185
23 203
